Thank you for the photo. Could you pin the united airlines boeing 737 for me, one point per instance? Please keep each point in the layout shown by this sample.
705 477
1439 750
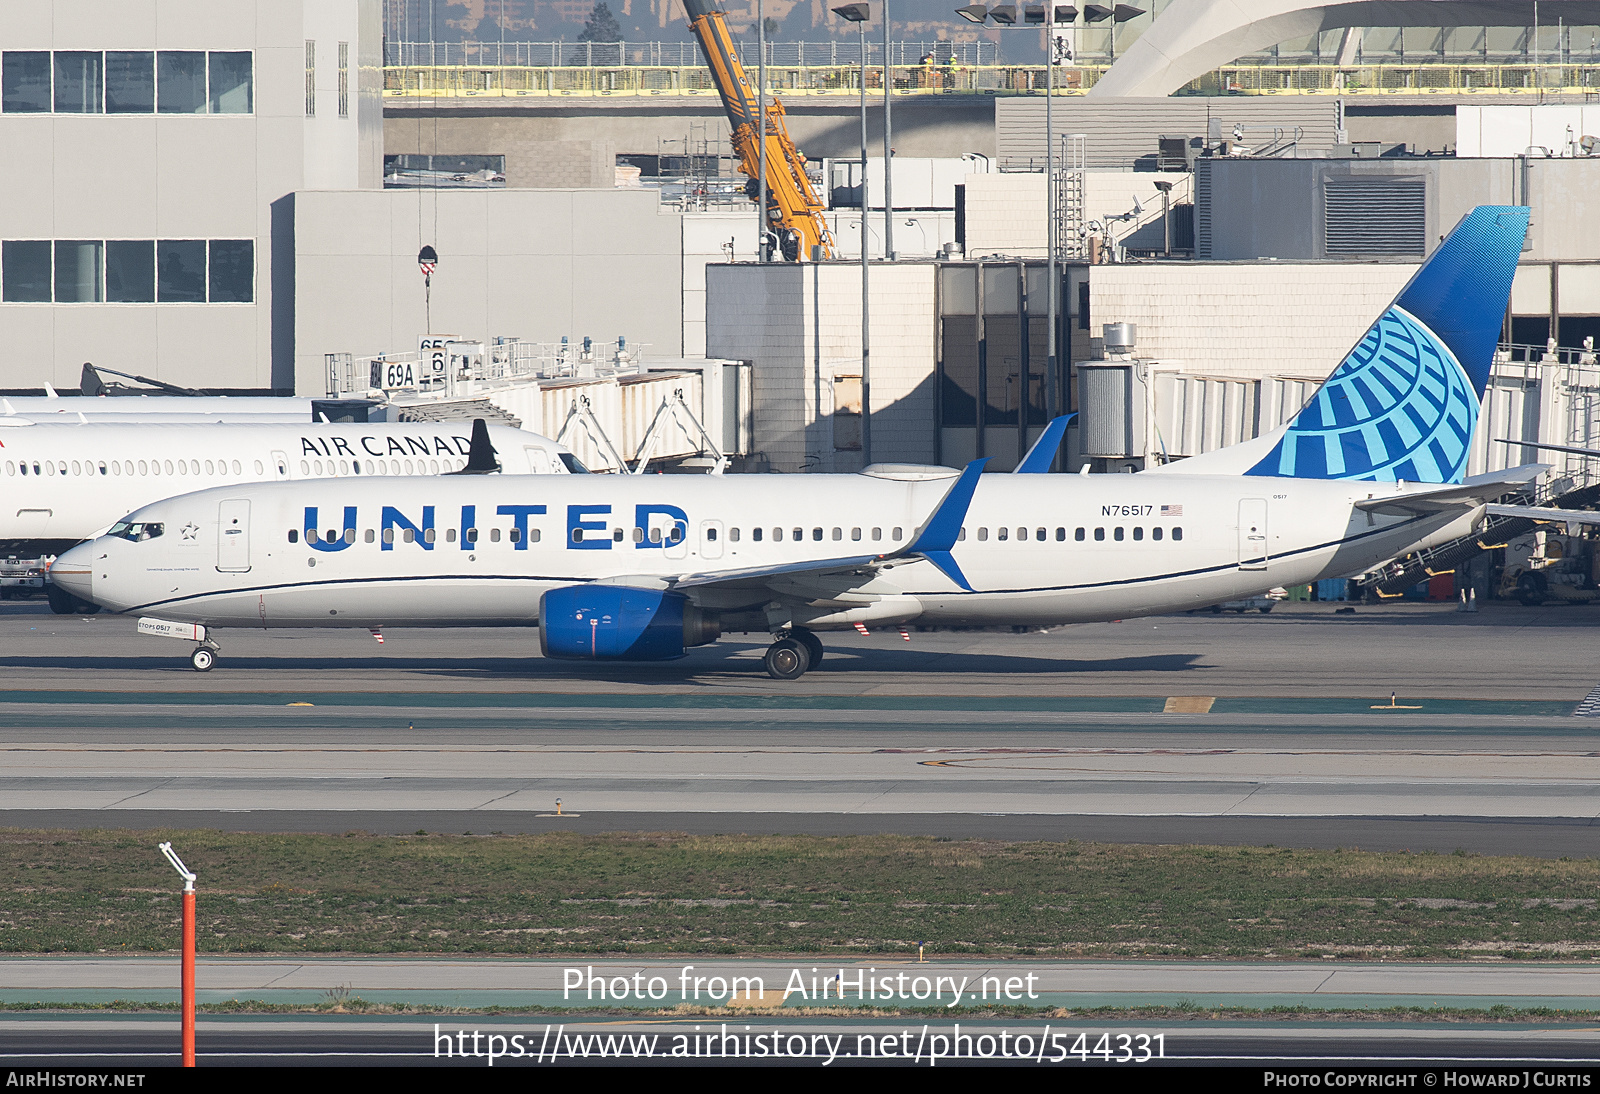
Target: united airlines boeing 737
635 568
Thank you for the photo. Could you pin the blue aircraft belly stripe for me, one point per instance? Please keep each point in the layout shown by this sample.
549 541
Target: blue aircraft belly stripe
258 589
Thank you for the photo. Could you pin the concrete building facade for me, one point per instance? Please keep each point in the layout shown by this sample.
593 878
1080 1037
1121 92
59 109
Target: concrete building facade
800 325
536 265
153 148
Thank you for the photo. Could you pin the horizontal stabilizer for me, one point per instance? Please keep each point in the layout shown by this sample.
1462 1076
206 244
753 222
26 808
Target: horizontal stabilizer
1476 491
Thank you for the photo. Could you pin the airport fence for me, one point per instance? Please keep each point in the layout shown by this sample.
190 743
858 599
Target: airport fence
675 75
672 54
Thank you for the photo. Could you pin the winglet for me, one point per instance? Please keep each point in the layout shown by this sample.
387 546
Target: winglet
1043 452
481 455
938 537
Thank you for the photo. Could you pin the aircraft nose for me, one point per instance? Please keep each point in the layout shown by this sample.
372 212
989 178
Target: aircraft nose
74 572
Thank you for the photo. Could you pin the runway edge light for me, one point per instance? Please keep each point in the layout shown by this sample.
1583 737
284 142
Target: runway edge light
187 973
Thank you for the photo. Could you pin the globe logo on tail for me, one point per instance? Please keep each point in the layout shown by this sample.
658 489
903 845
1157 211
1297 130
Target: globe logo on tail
1399 408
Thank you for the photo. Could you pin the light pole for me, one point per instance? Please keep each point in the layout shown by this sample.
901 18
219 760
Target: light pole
1037 15
859 14
761 116
888 142
186 976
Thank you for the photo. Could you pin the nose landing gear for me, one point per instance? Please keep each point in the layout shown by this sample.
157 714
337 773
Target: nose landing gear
204 656
793 654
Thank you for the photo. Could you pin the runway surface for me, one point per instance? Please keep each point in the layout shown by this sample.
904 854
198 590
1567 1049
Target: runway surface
1552 1051
1419 649
1412 780
1078 733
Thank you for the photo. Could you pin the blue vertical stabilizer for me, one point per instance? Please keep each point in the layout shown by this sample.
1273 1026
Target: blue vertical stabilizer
1403 405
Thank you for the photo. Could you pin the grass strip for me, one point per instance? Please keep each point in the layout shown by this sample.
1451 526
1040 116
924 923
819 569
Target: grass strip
560 895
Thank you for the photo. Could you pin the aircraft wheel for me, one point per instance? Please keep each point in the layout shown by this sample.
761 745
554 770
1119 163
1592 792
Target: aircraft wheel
1531 589
812 643
202 659
787 659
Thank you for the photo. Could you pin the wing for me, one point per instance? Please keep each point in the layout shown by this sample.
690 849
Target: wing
933 541
1535 512
1043 452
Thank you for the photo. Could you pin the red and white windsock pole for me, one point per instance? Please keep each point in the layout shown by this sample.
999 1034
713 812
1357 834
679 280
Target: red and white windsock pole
187 978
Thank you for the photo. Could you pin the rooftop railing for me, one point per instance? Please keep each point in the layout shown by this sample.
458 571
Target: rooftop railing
798 80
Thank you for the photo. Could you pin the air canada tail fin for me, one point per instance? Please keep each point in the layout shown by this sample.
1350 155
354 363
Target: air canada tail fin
481 455
1403 405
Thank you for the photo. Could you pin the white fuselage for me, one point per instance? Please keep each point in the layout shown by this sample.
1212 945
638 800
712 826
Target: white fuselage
1035 549
62 483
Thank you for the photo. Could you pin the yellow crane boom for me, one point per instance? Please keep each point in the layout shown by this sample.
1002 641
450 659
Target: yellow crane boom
794 212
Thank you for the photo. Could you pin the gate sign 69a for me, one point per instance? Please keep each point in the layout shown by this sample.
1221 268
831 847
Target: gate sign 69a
390 375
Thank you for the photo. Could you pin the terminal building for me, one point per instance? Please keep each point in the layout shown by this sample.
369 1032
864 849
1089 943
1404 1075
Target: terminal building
235 196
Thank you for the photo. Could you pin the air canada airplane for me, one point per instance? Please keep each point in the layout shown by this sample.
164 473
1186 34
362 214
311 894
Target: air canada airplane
637 568
61 484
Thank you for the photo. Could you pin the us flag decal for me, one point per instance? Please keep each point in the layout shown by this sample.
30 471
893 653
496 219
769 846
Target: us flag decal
1172 510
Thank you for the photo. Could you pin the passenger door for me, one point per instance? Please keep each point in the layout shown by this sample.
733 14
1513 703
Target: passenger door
538 460
1252 533
280 466
676 548
233 536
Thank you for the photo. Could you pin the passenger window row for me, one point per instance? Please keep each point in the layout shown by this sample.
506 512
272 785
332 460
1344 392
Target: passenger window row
1118 534
617 535
218 468
213 468
409 535
1078 535
319 468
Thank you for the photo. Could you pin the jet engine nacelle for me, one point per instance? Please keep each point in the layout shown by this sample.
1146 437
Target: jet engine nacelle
617 623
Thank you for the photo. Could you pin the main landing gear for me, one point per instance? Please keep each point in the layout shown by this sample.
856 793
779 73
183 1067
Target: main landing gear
204 656
795 651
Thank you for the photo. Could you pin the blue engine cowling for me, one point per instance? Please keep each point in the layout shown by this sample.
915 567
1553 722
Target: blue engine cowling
617 623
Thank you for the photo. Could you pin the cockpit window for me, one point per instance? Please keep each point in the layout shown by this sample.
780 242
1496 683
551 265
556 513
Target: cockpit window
137 532
574 465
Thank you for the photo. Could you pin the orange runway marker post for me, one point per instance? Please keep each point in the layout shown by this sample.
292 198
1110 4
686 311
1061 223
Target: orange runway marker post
187 975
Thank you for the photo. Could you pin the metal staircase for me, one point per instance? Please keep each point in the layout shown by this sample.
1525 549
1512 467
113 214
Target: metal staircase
1399 575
